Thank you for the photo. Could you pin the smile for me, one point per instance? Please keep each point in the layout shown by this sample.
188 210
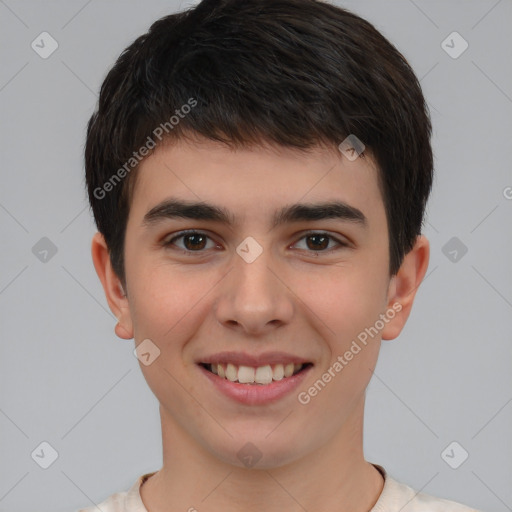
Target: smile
262 375
255 385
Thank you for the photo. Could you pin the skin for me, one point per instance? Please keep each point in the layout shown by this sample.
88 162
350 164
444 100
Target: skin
295 297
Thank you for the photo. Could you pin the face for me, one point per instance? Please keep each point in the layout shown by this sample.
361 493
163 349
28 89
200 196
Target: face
249 291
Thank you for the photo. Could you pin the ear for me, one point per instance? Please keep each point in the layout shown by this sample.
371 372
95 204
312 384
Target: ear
112 286
404 285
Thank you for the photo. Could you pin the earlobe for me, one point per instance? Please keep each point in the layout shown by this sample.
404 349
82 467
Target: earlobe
404 285
114 292
122 332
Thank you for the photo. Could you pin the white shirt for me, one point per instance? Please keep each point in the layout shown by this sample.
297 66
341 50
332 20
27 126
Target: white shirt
395 497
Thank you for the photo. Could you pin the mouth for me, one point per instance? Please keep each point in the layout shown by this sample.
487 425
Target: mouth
255 385
261 375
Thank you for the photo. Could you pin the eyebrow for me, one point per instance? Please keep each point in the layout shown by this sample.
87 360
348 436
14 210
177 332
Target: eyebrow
306 212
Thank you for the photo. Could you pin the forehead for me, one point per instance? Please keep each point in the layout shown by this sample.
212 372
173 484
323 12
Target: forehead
251 183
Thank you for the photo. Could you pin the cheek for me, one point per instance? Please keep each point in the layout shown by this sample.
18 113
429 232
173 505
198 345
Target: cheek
160 304
345 300
169 303
165 309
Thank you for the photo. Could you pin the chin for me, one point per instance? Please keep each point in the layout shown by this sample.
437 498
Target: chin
258 452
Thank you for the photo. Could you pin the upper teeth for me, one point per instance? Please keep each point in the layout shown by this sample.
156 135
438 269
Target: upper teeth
260 375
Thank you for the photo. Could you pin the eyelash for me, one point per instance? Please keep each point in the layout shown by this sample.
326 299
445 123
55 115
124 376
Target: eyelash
199 252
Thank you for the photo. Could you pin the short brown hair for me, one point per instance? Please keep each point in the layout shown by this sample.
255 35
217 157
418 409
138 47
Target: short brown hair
293 72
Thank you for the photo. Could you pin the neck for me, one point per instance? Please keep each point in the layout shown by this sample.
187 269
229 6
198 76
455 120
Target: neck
334 477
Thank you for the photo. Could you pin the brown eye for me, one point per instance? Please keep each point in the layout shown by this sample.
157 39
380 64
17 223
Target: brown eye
319 242
196 242
193 241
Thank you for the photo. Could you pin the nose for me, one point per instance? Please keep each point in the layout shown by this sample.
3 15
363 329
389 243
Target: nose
254 297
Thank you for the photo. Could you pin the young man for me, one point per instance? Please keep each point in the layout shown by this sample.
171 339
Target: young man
258 171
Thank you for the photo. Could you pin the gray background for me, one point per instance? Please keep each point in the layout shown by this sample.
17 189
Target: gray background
68 380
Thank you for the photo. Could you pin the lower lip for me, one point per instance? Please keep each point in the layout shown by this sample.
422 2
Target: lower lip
255 394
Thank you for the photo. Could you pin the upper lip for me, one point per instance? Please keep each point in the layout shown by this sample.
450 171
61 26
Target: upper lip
244 359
